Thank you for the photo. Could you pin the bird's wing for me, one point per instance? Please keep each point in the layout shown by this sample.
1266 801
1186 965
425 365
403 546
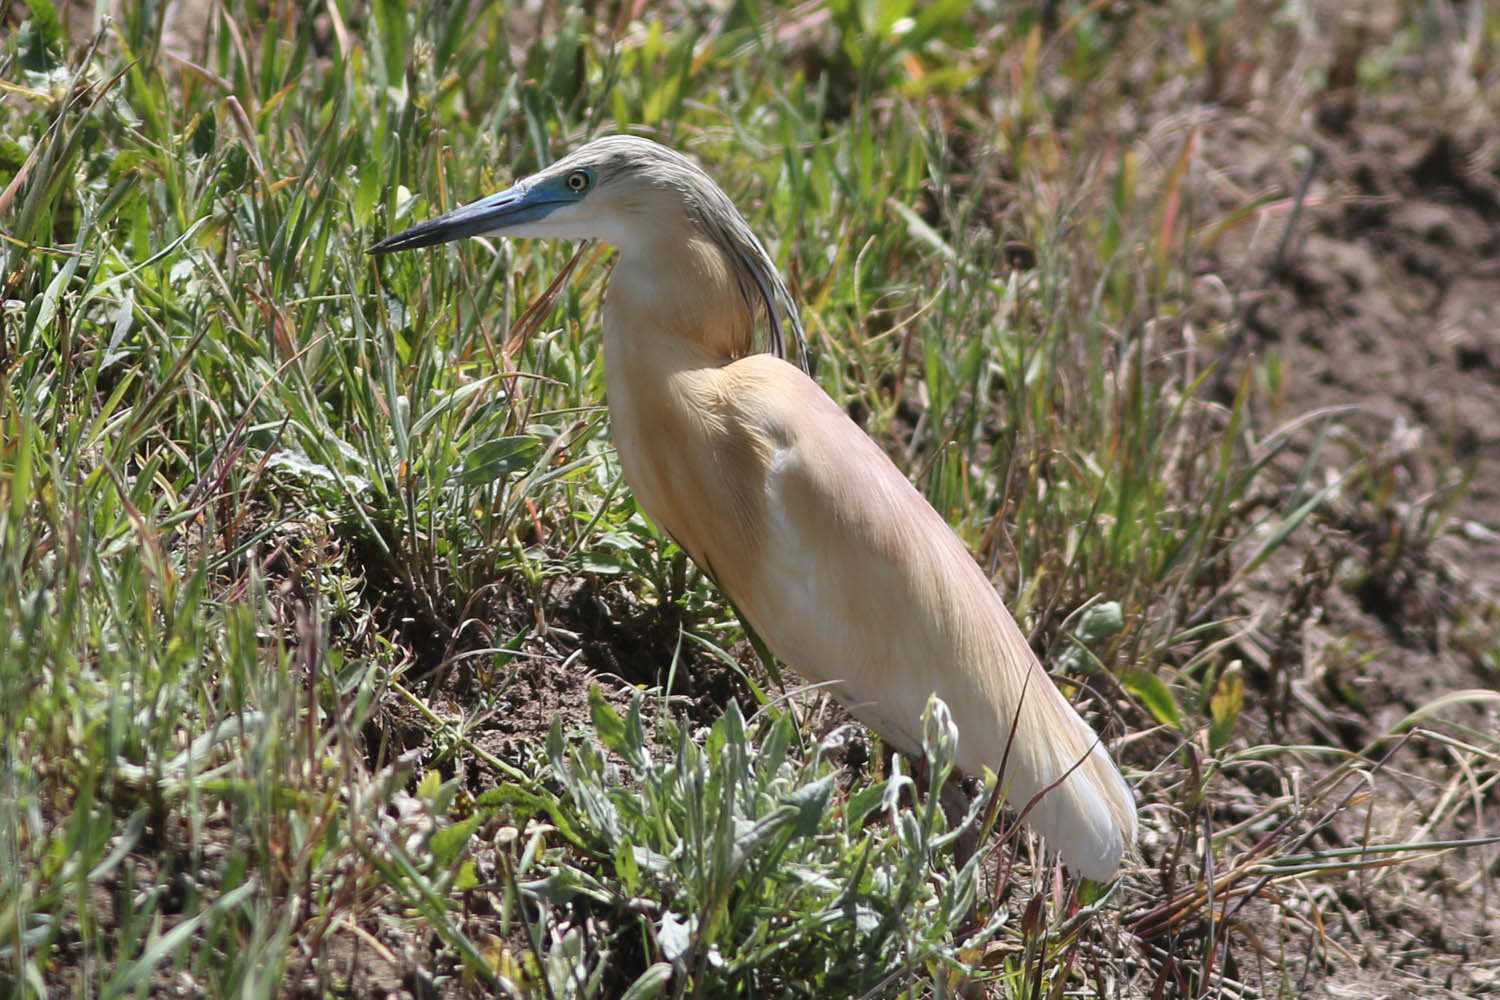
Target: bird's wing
857 580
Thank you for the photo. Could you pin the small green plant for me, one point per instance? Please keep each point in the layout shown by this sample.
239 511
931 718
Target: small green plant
739 861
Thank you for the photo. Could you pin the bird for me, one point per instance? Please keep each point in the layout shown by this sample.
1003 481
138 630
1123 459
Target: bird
825 549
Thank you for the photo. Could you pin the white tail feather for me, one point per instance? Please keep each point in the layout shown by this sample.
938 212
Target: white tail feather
1089 816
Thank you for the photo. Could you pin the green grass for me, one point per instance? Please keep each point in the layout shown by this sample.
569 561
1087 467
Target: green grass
262 497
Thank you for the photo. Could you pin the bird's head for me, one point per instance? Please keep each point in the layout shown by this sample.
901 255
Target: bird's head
598 191
629 192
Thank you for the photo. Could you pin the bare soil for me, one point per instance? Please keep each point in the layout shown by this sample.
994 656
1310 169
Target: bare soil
1384 315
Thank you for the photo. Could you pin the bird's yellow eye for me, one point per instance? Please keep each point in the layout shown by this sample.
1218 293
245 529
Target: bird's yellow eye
578 181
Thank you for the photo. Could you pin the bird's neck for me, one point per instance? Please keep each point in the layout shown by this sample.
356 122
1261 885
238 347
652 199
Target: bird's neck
674 321
676 305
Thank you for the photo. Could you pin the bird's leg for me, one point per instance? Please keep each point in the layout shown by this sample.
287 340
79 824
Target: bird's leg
956 800
957 797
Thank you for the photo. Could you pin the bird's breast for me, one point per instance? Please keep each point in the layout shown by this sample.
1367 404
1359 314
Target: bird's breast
696 468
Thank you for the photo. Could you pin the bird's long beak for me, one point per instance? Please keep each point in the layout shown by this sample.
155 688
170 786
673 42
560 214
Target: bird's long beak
497 213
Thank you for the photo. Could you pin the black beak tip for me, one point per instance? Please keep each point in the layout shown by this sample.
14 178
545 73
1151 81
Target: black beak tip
396 241
424 234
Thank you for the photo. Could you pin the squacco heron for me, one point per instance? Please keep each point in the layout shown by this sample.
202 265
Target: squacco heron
828 552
